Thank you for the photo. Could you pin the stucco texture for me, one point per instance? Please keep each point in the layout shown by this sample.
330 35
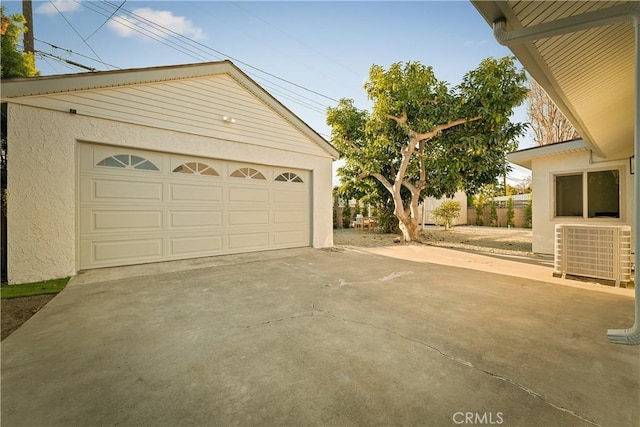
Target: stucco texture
42 180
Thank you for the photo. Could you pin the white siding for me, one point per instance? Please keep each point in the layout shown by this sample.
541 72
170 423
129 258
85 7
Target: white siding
543 171
194 106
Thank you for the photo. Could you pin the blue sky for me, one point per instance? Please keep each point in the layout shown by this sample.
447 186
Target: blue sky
325 48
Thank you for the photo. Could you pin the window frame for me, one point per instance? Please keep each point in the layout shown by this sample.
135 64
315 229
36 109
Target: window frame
585 195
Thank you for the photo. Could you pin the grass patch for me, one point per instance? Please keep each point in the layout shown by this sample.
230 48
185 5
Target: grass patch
32 289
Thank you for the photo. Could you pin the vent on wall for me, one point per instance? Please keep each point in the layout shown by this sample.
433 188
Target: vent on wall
600 252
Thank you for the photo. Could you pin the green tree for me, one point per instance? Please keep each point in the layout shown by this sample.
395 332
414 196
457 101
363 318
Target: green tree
510 212
446 213
14 63
424 138
493 213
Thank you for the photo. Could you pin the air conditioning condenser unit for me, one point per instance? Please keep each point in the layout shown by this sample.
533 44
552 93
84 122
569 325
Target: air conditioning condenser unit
593 251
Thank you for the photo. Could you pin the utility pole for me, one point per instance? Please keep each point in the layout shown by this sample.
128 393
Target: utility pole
27 12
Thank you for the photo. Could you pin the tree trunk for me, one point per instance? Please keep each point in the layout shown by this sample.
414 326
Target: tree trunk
409 228
408 223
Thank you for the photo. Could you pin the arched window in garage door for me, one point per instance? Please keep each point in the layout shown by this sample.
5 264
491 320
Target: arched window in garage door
128 161
249 173
288 177
196 168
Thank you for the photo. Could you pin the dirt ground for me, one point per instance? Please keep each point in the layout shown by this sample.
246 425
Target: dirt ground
16 311
483 239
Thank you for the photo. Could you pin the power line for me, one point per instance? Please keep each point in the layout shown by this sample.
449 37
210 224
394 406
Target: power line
68 61
105 21
74 29
155 32
178 35
76 53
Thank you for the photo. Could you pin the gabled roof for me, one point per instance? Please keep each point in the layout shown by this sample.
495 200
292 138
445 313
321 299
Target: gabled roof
57 84
524 157
582 53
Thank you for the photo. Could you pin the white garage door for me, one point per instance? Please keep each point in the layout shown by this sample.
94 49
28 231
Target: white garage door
142 206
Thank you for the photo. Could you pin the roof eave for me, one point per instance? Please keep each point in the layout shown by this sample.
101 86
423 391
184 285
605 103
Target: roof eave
525 157
33 86
493 11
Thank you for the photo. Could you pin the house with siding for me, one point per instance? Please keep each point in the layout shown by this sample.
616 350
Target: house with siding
147 165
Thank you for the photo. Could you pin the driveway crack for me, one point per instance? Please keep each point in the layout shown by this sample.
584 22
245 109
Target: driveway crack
458 360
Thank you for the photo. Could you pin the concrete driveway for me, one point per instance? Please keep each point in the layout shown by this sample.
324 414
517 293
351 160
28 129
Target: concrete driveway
320 337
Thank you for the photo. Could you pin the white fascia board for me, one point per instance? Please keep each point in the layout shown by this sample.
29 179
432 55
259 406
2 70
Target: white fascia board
524 157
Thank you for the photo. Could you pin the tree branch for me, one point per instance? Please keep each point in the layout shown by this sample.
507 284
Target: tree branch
383 181
362 176
402 119
428 135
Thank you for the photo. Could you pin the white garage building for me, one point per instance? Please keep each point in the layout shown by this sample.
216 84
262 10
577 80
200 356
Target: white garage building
147 165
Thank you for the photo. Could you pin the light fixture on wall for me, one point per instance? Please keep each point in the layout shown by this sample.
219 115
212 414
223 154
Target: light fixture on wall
632 165
227 119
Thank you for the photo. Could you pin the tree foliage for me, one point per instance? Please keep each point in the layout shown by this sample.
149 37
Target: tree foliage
14 63
425 138
548 124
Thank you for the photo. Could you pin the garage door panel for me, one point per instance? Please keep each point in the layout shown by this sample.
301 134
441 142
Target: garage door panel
289 196
291 238
195 193
122 252
290 217
114 190
248 241
248 218
108 220
195 219
196 245
253 195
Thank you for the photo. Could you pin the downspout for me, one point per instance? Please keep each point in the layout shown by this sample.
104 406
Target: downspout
624 13
631 336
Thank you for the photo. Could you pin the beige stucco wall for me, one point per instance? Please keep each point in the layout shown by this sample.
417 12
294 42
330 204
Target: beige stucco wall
543 170
42 179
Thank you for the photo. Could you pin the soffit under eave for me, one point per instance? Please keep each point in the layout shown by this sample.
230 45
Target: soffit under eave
605 121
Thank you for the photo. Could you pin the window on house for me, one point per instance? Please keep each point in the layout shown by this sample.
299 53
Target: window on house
595 193
603 194
569 195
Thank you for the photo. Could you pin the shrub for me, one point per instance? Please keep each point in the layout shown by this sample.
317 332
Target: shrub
510 213
528 213
446 213
493 215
